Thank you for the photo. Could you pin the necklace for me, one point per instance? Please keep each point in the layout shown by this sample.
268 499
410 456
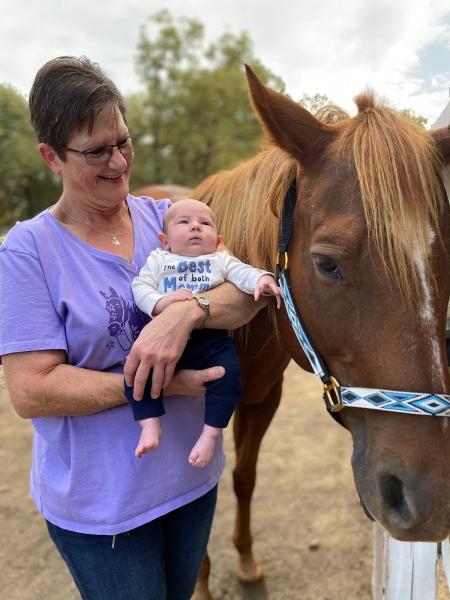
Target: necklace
114 237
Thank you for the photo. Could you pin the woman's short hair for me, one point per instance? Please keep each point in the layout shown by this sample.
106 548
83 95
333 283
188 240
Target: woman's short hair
67 94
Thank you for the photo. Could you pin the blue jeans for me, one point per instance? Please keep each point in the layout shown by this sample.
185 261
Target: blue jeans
157 561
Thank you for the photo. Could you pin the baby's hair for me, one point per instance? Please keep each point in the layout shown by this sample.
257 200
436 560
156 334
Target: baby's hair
167 213
165 221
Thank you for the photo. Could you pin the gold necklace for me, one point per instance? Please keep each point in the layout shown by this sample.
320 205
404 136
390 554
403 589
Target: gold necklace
114 237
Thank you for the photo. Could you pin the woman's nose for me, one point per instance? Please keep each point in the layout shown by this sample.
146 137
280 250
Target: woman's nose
117 159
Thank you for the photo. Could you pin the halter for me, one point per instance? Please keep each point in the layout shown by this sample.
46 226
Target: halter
336 396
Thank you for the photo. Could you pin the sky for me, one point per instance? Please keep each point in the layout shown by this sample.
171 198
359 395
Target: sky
399 48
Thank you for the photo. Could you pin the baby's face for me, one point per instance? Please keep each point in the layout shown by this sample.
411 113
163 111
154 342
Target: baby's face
190 229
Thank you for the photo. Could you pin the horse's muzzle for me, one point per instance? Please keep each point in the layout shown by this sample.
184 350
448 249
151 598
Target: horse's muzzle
407 513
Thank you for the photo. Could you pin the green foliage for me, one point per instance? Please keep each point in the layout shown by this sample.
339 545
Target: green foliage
194 117
314 103
418 119
26 186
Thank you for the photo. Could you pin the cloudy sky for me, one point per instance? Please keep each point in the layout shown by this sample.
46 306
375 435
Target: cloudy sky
400 48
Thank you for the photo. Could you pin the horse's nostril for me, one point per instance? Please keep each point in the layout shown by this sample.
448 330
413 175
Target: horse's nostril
391 489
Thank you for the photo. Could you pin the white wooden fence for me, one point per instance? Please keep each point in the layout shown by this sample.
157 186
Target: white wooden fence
406 570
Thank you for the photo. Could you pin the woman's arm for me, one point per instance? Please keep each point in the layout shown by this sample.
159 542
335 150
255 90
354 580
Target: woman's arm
40 384
230 308
161 342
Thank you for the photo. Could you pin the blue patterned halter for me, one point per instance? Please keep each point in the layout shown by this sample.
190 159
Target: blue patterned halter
336 396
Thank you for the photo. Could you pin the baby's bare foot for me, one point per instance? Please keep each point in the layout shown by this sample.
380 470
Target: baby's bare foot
149 440
203 450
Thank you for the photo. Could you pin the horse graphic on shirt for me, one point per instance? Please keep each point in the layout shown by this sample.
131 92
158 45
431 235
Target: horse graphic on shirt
125 319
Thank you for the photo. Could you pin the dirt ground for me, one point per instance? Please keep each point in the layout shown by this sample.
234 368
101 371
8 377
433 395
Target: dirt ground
311 536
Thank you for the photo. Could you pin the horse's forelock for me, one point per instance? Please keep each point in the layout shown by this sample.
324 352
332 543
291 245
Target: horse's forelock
398 171
365 101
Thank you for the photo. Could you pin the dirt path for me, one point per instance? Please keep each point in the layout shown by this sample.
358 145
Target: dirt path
310 533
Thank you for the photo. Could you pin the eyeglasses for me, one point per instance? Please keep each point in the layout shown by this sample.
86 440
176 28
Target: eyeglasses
102 154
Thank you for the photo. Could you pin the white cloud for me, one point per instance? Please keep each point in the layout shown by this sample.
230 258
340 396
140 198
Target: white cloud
323 46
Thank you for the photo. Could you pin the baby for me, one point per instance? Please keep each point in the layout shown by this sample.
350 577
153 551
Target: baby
187 265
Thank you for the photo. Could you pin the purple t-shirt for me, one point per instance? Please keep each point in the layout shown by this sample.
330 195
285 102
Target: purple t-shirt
59 293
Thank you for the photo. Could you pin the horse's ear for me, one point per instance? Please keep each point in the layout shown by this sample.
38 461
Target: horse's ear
442 139
288 124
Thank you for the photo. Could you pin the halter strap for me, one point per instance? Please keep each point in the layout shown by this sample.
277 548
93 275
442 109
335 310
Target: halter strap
316 361
284 238
287 219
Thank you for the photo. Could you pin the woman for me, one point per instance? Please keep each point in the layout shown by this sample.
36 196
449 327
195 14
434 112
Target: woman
127 528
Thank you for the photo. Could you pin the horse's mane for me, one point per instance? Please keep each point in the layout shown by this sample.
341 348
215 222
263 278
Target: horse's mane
247 201
397 167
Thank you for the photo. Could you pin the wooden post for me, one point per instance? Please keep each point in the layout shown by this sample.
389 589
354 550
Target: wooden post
404 570
446 560
379 562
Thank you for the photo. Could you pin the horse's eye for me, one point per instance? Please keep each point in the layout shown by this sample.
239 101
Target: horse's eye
327 267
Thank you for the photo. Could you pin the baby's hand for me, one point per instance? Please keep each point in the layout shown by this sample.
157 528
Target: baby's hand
266 285
177 296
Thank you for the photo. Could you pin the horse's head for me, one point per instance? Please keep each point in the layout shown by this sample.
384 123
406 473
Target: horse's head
117 308
369 264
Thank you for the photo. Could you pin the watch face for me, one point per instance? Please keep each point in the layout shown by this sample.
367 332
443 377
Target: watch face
203 301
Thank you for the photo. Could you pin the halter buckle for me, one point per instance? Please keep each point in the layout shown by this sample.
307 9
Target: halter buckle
285 260
331 393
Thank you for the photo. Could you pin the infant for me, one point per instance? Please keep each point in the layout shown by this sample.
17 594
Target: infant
187 265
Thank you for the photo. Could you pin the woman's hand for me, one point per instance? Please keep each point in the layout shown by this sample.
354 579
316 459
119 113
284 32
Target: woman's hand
161 342
159 346
190 382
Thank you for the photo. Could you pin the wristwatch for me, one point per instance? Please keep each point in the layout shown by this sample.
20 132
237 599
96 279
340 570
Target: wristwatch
204 304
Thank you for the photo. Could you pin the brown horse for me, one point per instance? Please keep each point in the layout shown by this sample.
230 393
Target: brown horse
369 263
174 192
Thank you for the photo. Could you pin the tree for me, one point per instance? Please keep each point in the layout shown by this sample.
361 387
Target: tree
194 117
314 103
418 119
26 185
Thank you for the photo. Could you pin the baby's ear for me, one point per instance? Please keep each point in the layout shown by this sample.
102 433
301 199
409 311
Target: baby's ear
219 240
162 237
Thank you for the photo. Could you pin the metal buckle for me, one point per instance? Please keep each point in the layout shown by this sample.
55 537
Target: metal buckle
331 392
285 261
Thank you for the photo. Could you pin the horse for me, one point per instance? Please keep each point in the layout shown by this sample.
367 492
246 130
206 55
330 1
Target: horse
369 258
172 191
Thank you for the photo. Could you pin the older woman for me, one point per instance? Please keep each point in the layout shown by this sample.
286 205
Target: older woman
127 529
